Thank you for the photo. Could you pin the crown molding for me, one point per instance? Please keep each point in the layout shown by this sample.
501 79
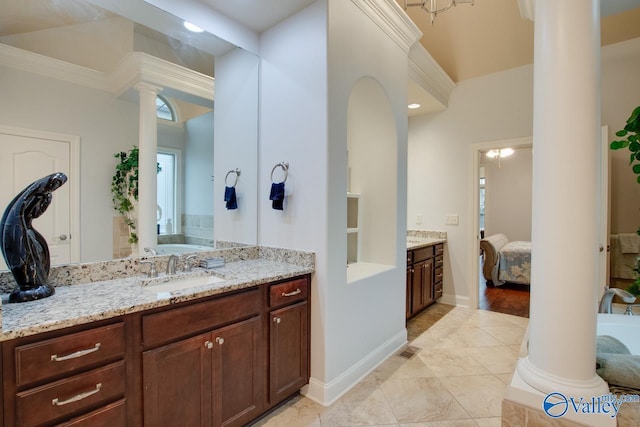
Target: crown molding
23 60
390 17
428 74
135 68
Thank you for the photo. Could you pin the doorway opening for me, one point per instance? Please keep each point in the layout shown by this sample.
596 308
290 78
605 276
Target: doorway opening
501 205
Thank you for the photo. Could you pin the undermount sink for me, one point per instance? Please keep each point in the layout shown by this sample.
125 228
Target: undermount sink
171 284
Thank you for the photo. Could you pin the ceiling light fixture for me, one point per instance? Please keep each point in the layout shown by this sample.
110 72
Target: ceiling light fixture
192 27
431 6
414 106
504 152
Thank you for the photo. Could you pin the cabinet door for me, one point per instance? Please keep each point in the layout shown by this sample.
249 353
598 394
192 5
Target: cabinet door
416 287
288 351
409 289
427 282
238 373
177 383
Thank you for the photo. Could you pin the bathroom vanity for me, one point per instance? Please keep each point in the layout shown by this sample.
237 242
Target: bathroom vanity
424 273
219 355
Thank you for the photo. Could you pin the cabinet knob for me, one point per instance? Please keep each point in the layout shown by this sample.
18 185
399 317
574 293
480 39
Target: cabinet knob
208 344
277 320
219 340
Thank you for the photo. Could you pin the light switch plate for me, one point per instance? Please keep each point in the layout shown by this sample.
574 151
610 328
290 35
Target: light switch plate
419 219
451 219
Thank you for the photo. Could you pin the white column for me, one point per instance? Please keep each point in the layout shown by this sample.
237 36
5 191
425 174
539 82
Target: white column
147 167
566 140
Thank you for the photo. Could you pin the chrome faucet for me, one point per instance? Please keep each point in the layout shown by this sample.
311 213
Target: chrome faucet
187 263
171 264
629 309
152 250
607 298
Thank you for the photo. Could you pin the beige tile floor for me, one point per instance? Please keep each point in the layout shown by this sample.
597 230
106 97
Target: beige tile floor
462 362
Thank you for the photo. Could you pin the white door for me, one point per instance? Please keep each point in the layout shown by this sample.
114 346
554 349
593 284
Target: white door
26 157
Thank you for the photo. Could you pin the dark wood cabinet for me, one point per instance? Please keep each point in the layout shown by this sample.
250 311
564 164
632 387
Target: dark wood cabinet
216 378
177 383
70 377
424 278
222 360
238 373
288 351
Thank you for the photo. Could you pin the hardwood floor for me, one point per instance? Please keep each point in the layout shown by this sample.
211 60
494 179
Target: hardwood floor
509 298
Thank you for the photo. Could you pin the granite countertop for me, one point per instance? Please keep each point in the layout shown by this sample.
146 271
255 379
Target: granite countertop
414 242
78 304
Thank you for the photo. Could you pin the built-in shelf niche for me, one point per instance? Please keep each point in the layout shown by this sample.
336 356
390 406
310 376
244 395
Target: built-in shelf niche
353 228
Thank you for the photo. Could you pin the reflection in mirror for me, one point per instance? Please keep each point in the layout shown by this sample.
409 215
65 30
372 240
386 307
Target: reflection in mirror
67 82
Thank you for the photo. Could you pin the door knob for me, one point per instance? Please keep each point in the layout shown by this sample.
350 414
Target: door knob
62 237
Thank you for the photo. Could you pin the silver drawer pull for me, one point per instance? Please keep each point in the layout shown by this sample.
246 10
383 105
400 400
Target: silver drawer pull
439 276
208 344
56 358
220 340
290 294
439 250
80 396
277 320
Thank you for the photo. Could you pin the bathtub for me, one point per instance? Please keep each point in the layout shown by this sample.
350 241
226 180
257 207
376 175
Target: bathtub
181 248
623 327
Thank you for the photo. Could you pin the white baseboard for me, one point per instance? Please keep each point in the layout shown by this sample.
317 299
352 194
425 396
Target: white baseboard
455 300
327 393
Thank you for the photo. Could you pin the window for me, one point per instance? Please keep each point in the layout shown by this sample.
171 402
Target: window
167 193
164 110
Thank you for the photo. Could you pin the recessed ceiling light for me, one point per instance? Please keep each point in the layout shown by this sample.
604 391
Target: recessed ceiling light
192 27
414 106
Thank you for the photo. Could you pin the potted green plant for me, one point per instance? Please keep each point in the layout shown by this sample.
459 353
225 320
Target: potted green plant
124 189
630 139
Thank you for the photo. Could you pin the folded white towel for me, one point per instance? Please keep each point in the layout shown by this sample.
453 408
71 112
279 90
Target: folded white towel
629 243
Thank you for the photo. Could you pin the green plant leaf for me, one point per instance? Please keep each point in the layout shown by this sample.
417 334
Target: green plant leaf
634 115
634 146
636 169
622 132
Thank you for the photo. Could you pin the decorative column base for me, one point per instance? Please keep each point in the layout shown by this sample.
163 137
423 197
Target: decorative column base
524 402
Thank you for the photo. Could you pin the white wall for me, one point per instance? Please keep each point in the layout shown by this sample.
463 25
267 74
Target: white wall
508 195
198 160
354 326
494 107
236 147
105 125
293 128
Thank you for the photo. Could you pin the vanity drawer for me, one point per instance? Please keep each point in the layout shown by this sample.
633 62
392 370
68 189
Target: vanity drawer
409 257
114 414
439 274
63 355
72 395
437 291
439 249
422 254
166 326
288 292
439 261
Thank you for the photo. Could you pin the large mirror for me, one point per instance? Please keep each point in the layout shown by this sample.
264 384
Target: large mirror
64 68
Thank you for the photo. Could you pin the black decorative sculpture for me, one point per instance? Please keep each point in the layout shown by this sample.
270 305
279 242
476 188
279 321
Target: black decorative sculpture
24 249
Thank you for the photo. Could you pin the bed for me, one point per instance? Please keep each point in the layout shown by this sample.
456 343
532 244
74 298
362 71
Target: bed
505 261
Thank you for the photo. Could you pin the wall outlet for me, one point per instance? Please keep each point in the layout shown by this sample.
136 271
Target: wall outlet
451 219
418 219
